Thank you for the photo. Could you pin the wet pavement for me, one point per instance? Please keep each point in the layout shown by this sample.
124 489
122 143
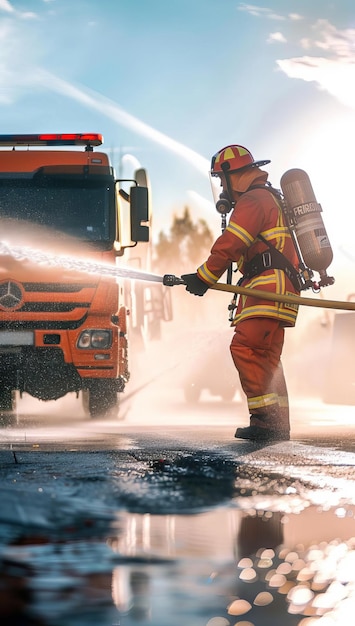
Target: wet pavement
165 519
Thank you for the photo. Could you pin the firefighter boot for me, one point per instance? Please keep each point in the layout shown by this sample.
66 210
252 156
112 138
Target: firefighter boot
265 426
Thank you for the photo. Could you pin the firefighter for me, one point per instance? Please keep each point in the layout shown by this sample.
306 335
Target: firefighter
258 241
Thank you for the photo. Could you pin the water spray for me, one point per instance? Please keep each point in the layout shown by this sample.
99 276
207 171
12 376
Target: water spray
24 253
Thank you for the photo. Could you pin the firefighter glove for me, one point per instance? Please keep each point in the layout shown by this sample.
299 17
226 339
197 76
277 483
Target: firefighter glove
194 284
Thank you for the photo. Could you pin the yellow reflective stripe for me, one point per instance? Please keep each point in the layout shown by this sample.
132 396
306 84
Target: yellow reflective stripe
261 281
259 402
280 221
280 281
279 233
288 316
267 310
277 278
206 274
274 312
240 232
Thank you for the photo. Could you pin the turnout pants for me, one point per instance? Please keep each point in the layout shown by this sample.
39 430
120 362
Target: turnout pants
256 350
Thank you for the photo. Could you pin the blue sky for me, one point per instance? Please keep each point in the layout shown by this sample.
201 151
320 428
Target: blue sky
169 82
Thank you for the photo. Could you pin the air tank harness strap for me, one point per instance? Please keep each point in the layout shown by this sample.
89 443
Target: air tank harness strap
272 259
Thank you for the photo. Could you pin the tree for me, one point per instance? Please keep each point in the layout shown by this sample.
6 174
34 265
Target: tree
185 246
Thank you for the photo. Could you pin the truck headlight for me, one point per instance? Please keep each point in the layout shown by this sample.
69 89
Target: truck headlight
96 339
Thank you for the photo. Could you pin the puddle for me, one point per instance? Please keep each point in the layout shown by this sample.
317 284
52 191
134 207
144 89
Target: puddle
223 567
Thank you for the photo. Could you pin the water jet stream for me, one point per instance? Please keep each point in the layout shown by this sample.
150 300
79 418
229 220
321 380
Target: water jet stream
105 269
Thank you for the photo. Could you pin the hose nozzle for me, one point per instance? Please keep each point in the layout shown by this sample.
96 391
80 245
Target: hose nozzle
169 280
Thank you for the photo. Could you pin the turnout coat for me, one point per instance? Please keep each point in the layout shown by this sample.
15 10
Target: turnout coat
256 212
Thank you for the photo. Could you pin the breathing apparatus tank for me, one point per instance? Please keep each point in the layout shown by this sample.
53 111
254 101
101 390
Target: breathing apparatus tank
303 213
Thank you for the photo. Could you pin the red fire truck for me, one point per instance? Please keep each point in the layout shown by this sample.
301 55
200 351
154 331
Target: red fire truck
63 330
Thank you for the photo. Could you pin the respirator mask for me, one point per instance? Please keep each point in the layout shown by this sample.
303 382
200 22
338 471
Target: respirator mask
222 199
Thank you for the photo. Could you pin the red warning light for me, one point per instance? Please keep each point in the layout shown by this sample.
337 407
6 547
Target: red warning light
50 139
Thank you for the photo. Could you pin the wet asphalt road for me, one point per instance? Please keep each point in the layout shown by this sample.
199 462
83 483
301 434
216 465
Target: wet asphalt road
160 517
159 433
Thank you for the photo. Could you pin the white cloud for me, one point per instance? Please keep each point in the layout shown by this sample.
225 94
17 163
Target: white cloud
257 11
333 72
276 38
340 43
336 78
306 43
6 6
28 15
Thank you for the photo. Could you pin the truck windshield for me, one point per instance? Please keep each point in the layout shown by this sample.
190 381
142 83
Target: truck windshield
81 208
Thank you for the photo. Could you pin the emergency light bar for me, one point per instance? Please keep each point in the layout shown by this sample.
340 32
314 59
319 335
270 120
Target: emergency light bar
73 139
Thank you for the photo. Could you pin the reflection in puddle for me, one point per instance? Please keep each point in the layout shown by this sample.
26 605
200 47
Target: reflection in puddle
220 568
227 568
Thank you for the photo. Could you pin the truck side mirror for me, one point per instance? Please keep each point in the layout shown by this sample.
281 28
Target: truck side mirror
139 213
141 177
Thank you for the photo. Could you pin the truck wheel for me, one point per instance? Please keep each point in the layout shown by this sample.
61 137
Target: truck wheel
101 400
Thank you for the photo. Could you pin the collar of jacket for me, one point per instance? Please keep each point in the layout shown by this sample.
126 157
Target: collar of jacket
242 181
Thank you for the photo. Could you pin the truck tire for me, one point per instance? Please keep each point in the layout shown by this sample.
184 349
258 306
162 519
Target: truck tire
101 400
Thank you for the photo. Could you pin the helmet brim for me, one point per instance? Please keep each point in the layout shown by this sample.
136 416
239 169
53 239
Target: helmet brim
260 163
240 169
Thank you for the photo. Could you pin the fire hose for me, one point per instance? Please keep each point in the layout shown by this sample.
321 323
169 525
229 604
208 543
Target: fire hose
23 253
171 280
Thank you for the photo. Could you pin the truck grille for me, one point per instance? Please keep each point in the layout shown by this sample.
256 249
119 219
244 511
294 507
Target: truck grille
49 305
43 325
57 287
52 307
